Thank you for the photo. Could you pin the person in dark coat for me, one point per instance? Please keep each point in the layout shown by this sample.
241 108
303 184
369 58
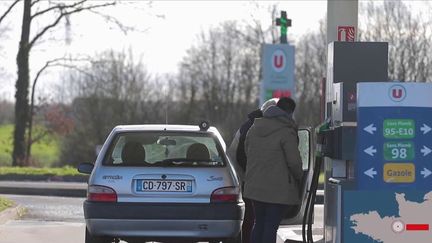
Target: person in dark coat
237 155
274 169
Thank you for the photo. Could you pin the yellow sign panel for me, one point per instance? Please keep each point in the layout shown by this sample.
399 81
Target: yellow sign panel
399 172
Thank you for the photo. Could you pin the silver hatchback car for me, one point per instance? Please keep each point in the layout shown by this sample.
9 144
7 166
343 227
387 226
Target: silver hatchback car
163 182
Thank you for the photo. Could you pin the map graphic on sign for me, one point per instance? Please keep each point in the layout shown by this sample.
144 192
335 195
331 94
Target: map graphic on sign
410 221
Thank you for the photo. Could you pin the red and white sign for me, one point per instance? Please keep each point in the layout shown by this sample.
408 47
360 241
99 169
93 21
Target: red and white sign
394 94
346 33
278 61
281 93
397 93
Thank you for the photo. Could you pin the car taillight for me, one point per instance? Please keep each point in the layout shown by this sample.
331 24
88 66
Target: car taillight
101 194
225 194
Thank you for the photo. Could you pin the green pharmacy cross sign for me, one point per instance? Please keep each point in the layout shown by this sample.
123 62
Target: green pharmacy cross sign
284 23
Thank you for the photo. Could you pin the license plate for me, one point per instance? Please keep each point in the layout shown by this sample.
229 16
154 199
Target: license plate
164 186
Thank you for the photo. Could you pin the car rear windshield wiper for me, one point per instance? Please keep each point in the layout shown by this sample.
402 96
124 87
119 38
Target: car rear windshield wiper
186 162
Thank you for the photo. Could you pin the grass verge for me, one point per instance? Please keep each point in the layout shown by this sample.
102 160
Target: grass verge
44 153
61 171
5 203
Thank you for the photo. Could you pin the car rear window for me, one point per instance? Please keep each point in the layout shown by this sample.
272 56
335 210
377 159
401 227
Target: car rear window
165 149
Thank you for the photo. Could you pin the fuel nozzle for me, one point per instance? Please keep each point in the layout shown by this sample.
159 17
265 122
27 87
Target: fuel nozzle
324 135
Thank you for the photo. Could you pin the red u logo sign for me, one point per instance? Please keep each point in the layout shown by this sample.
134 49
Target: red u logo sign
278 61
397 93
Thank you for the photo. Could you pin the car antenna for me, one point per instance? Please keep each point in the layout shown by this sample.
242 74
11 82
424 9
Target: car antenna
166 105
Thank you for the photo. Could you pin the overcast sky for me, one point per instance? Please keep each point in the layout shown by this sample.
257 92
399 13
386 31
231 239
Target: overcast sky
168 28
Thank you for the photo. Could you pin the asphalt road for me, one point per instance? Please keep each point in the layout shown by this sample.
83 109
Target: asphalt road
45 208
47 219
60 219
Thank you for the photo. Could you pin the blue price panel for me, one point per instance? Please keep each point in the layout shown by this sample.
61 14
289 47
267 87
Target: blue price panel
394 148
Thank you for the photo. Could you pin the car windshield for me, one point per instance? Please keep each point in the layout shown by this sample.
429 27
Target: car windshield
190 149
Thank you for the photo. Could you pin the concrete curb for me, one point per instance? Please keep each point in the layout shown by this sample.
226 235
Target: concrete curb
62 189
44 191
44 178
11 213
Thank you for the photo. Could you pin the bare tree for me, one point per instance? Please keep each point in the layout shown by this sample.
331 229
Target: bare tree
310 69
62 62
219 77
8 10
408 34
113 89
60 11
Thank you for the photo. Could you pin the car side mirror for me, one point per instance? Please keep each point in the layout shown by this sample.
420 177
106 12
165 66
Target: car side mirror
85 168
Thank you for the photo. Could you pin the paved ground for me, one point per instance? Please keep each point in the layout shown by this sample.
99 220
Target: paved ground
49 218
54 209
287 233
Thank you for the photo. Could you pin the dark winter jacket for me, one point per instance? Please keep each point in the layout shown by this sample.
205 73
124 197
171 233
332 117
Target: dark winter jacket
240 154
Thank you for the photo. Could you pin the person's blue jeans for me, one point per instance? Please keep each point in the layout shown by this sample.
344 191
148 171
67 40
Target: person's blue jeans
267 219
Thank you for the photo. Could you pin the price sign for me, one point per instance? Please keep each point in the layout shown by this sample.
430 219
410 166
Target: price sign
394 151
394 136
399 128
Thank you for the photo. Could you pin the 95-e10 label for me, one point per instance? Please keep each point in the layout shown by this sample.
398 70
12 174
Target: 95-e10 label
399 128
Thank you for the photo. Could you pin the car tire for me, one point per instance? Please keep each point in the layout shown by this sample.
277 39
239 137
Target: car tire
89 238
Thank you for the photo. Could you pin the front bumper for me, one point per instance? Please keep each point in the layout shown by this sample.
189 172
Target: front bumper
217 220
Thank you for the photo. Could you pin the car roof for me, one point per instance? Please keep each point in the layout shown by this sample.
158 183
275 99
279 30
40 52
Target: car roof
161 127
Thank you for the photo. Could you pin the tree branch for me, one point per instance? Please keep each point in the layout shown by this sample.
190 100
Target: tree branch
8 10
64 14
34 2
114 20
59 6
54 62
40 136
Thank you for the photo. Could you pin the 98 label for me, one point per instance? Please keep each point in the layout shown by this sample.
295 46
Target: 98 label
403 150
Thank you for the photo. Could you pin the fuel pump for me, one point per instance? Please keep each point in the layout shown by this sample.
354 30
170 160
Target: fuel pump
348 63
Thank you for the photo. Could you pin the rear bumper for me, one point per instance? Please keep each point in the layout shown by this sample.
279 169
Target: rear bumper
217 220
152 229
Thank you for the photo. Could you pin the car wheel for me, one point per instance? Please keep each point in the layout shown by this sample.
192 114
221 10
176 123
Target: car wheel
236 239
89 238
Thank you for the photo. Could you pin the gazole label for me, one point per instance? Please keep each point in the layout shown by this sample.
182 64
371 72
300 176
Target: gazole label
399 172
